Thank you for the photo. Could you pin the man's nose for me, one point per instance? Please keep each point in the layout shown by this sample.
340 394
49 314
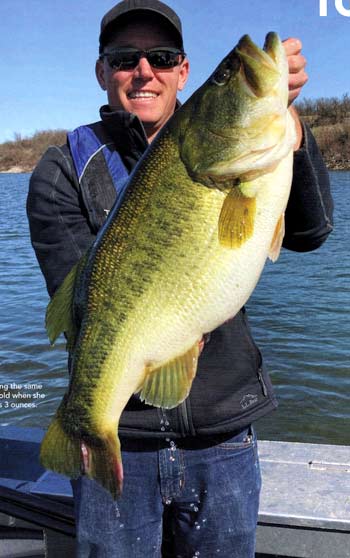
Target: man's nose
143 69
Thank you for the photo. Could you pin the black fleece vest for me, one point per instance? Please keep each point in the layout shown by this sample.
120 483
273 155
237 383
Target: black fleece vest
231 388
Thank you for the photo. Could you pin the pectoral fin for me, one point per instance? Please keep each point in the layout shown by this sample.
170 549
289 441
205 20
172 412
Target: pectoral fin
277 239
236 221
168 385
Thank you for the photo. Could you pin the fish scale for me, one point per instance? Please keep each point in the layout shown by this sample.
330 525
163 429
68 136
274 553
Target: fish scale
179 255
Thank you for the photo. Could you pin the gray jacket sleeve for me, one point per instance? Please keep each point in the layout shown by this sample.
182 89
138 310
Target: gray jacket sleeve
59 227
309 214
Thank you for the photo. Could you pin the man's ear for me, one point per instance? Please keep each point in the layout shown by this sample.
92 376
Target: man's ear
100 74
183 75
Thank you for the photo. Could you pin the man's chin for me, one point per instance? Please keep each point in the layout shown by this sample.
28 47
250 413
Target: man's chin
146 114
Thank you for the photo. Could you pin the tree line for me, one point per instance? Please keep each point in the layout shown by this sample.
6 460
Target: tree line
325 110
329 119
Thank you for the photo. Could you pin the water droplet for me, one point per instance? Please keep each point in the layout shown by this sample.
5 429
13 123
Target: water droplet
218 550
121 525
193 490
162 428
138 538
195 509
191 505
198 527
168 501
161 421
172 458
167 423
204 520
167 439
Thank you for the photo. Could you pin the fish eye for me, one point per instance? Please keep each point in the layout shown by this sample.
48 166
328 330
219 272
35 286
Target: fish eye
226 70
222 75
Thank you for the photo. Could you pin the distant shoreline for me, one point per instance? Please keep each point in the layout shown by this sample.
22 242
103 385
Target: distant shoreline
16 170
329 120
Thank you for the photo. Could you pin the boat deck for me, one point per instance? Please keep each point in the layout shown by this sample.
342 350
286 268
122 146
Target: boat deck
304 510
305 501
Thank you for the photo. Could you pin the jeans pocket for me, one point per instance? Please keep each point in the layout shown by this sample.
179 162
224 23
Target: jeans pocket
243 440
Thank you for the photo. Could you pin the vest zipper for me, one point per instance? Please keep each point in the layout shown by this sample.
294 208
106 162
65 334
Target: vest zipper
185 421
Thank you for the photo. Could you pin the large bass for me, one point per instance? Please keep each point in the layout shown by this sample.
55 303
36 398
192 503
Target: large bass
179 254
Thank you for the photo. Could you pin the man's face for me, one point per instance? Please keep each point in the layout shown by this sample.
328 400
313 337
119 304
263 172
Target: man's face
145 91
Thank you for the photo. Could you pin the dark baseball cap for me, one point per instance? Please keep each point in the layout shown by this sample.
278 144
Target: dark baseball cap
127 7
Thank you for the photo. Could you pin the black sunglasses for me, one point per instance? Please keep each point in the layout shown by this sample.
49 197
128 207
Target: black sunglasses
159 58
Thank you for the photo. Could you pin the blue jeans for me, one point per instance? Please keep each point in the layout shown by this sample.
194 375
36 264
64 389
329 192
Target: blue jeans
181 499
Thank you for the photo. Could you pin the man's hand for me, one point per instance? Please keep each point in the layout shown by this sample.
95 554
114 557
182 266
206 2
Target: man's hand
296 80
296 63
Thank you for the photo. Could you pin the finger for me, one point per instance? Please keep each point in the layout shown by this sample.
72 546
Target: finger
292 46
85 458
293 94
296 81
295 87
201 345
296 63
295 84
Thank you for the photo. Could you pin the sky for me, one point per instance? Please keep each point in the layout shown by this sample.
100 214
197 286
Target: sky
49 48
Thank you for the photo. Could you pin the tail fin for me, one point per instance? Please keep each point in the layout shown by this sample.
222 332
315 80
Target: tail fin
99 458
104 462
60 452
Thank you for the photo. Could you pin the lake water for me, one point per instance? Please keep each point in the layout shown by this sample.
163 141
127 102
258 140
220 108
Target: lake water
298 312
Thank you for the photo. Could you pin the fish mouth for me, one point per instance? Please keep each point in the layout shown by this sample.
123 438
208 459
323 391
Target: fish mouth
265 56
258 67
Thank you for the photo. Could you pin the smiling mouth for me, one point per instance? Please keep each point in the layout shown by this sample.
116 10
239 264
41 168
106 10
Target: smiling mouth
142 95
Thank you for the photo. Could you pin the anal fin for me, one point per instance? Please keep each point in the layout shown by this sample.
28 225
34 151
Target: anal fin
236 221
168 385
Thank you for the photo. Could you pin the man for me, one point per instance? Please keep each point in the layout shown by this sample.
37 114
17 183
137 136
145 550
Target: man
192 474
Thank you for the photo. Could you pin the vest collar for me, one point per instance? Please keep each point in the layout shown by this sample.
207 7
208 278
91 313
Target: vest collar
125 129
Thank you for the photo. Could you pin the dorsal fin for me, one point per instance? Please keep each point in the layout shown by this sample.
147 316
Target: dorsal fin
59 315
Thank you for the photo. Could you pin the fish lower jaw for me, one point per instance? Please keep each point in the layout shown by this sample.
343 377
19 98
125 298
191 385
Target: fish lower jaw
254 163
247 168
226 181
222 182
241 170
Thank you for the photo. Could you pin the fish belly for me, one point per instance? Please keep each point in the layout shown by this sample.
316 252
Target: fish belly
184 287
201 284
